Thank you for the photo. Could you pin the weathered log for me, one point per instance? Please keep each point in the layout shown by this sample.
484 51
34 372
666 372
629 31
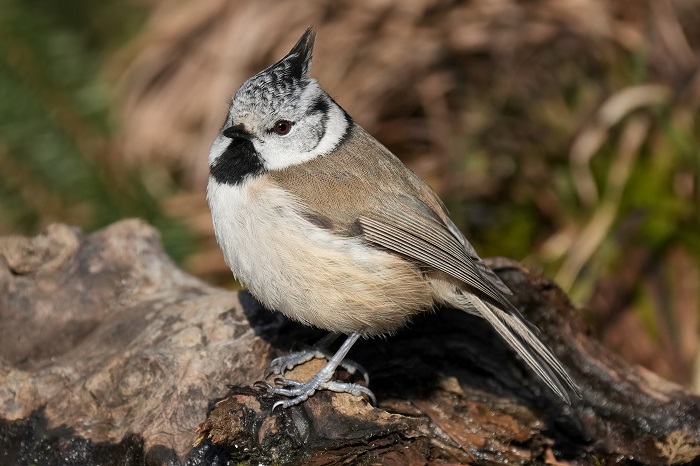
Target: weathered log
109 354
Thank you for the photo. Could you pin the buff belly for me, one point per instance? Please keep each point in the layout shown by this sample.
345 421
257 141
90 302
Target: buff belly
339 284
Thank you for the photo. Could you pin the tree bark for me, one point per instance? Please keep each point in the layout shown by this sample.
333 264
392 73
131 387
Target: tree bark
110 354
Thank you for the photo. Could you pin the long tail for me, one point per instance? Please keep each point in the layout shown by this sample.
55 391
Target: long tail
528 346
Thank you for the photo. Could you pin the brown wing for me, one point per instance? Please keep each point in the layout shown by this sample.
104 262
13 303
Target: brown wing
411 228
414 230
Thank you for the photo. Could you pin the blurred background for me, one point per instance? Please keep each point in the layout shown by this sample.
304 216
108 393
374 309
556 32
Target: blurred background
562 133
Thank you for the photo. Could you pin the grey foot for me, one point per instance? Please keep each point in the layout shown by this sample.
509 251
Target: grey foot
282 364
301 391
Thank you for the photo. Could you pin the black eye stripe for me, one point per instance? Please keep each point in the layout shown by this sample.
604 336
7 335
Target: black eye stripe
320 105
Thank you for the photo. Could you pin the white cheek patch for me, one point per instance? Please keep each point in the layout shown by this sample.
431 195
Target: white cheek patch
280 157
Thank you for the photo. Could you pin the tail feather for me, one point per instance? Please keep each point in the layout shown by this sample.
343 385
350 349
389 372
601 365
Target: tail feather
528 346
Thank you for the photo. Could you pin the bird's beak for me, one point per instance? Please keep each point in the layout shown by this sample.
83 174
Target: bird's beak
237 132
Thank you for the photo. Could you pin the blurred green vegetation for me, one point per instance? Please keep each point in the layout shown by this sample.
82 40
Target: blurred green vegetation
645 172
55 120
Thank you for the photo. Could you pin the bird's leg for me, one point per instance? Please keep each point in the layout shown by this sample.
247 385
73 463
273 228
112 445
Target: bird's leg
282 364
301 391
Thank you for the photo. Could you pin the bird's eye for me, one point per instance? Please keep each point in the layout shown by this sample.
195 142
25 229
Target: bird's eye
282 127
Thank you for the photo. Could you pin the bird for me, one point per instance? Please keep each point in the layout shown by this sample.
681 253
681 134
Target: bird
324 224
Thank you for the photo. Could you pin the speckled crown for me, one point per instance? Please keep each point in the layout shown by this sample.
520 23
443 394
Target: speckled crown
285 78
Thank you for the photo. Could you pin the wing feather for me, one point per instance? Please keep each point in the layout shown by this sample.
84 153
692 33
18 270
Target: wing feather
414 230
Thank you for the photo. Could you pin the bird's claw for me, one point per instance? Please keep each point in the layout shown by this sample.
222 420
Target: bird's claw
282 364
262 385
301 391
298 392
286 383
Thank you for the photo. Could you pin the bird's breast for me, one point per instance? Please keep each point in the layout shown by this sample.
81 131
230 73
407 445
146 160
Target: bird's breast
290 264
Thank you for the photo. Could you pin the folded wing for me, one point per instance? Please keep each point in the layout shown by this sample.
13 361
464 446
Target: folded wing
409 227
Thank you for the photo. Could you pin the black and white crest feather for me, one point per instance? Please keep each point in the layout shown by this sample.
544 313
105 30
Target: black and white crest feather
297 62
284 79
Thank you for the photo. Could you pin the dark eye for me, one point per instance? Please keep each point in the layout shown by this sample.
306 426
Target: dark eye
282 127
